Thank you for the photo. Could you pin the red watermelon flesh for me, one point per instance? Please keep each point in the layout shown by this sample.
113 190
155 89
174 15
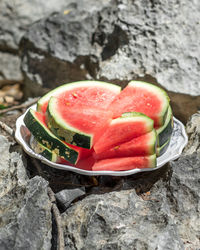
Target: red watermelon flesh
86 164
123 129
82 152
125 163
144 98
87 93
64 162
83 118
138 146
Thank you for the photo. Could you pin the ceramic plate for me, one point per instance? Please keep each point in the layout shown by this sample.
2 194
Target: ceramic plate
177 143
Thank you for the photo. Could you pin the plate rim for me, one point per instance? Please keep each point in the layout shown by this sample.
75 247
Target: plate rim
19 138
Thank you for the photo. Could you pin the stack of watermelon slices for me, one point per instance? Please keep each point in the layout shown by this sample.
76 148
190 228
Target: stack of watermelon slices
97 126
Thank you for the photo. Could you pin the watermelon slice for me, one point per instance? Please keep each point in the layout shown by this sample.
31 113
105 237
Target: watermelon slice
80 126
123 129
164 132
125 163
138 146
142 97
88 93
35 122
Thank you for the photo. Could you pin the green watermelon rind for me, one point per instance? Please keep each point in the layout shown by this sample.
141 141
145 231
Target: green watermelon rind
164 96
68 86
153 143
164 132
44 151
153 161
161 150
44 136
130 115
63 130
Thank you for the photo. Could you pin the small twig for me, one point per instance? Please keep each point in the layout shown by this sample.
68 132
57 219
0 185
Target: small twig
8 129
21 106
56 214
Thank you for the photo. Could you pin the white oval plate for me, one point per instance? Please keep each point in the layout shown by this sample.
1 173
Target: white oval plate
178 141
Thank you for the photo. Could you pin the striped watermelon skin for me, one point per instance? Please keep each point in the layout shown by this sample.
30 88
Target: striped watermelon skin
161 150
165 132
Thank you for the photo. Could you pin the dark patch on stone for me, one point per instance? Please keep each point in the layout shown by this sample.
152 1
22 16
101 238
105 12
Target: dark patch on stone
67 196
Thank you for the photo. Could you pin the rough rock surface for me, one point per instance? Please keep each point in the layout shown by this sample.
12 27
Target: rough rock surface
25 209
193 131
16 16
116 40
166 218
10 67
15 19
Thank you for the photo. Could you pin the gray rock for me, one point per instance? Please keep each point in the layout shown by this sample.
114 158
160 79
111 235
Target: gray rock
67 196
10 67
116 40
13 181
193 131
184 199
15 19
167 217
16 16
66 52
25 209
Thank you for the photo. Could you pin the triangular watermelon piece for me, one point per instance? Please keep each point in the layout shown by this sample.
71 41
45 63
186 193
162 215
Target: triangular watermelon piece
138 146
123 129
142 97
80 126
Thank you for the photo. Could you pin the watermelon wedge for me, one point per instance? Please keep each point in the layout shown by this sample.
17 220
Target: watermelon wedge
125 163
88 93
80 126
35 122
142 97
164 132
138 146
123 129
